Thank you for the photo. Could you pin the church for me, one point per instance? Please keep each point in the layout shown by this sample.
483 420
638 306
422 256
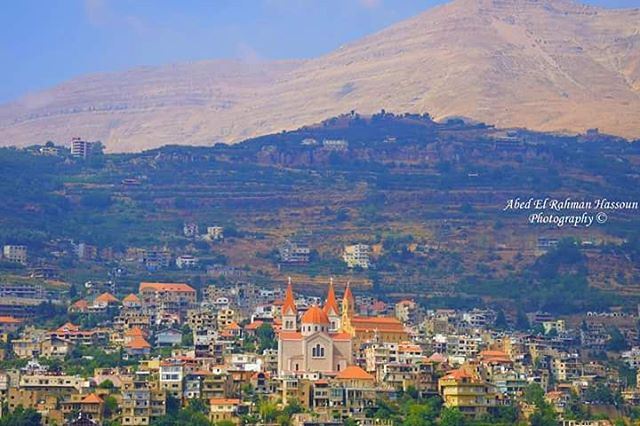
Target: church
323 339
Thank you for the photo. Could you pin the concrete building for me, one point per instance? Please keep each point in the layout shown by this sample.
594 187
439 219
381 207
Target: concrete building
466 392
80 148
294 252
15 253
186 261
357 255
215 233
168 296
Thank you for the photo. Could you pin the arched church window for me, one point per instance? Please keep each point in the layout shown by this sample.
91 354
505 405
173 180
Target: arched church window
317 351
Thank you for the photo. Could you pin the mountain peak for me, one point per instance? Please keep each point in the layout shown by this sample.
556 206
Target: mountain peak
553 65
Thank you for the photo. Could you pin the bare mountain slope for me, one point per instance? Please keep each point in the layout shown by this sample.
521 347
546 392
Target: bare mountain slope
542 64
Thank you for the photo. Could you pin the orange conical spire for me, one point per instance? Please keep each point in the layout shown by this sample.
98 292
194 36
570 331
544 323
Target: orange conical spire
349 297
289 304
331 305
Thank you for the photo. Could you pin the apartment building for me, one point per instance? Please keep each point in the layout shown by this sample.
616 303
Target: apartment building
15 253
168 296
80 148
466 392
142 399
294 252
357 255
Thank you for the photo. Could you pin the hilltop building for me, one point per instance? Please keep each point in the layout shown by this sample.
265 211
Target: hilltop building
294 252
215 233
15 253
80 148
357 255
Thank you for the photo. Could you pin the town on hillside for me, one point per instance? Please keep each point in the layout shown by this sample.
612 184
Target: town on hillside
242 354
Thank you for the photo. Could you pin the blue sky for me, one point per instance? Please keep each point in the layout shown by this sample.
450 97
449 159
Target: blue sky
44 42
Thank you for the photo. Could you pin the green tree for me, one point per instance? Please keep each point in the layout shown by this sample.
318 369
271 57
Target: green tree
501 320
266 337
616 342
187 336
106 384
21 417
419 415
268 411
110 406
543 415
452 417
534 394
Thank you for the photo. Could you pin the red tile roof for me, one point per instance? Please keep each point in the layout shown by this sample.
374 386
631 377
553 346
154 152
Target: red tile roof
254 325
170 287
138 342
233 326
340 336
289 304
92 398
353 372
132 298
106 298
68 327
290 335
81 304
458 375
224 401
9 320
315 315
331 305
135 331
383 324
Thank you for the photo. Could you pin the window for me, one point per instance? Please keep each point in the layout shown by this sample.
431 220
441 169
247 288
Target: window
317 351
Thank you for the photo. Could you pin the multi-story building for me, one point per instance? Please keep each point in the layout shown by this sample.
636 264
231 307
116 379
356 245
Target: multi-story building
15 253
335 144
80 148
186 261
72 333
215 233
225 318
566 367
294 252
154 259
190 230
172 377
217 384
408 312
357 255
89 406
56 384
202 319
466 392
167 296
221 409
142 399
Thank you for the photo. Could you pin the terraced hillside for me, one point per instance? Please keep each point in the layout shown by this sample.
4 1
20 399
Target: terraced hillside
429 197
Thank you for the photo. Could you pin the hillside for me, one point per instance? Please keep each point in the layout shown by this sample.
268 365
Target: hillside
540 64
430 195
